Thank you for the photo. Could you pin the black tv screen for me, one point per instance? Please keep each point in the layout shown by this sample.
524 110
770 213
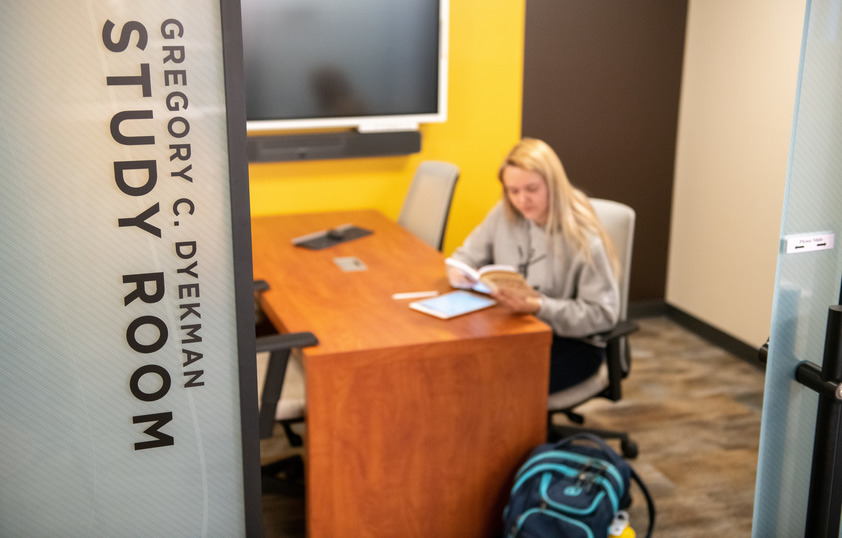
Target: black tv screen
334 63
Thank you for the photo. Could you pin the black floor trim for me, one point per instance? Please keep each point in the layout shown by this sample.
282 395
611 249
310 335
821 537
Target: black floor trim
732 345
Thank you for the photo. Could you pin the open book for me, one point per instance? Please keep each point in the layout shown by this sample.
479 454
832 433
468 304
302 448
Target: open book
492 277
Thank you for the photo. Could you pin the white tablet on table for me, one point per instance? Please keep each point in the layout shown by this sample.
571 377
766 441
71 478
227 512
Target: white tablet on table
452 304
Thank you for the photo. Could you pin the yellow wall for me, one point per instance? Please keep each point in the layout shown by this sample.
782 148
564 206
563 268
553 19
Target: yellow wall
484 119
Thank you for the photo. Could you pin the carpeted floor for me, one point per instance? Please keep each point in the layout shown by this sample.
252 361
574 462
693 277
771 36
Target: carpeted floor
694 411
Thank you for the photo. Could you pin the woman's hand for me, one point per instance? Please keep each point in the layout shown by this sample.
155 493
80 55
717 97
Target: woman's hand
517 302
458 279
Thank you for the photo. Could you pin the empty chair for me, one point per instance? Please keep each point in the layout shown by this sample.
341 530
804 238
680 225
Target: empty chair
272 381
618 220
427 203
279 347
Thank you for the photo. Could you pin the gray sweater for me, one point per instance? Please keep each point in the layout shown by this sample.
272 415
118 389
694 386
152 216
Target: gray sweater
578 299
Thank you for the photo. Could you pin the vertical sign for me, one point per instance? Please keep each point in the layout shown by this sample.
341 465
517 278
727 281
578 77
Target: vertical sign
123 240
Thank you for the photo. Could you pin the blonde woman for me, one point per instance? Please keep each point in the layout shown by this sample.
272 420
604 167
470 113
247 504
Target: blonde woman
547 229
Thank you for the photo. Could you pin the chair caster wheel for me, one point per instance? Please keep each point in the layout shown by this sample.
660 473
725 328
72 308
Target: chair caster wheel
629 449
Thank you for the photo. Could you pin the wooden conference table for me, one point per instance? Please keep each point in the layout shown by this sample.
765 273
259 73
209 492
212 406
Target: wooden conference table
415 425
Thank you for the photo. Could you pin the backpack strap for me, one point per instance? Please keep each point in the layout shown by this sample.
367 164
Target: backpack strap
595 439
650 504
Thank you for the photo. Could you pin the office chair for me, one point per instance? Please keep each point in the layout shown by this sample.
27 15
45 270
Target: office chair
289 410
272 408
618 221
427 204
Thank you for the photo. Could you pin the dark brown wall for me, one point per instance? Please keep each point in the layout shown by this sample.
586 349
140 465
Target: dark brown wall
601 85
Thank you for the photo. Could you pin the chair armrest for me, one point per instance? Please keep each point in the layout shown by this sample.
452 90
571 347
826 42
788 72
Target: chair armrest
619 363
279 346
623 328
278 342
260 286
262 325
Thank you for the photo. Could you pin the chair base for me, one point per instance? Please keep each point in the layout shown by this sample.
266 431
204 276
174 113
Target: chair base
284 477
293 438
628 448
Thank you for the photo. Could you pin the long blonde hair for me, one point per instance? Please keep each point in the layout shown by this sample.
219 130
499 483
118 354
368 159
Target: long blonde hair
569 212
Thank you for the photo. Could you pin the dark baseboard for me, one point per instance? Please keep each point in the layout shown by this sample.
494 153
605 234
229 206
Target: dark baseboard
738 348
647 309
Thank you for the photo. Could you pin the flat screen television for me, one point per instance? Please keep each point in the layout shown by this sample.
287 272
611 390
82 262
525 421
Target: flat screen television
374 65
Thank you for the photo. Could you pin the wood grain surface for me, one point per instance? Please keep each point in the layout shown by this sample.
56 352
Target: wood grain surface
415 424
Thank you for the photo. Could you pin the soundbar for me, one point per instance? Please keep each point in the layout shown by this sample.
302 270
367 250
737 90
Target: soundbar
341 145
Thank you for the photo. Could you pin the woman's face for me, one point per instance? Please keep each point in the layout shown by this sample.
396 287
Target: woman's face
527 191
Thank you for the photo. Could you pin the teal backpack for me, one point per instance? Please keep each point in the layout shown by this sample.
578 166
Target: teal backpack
573 488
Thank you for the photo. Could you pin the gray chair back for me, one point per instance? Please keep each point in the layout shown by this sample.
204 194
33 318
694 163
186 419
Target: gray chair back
618 220
427 204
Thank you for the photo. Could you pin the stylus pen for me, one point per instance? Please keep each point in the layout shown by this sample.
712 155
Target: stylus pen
415 295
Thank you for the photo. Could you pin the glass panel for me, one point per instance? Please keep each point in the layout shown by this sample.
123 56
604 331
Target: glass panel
807 280
119 387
